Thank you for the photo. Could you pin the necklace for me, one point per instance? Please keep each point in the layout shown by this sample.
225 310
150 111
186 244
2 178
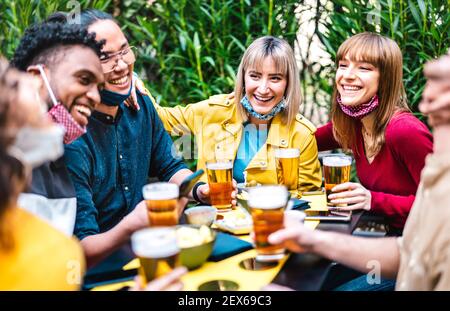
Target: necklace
371 150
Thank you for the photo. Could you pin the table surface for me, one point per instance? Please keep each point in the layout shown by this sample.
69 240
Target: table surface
300 271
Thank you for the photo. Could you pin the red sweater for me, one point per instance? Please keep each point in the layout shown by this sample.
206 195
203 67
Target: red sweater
394 174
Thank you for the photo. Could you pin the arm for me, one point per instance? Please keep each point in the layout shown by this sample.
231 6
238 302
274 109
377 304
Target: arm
96 245
362 254
411 153
181 120
325 138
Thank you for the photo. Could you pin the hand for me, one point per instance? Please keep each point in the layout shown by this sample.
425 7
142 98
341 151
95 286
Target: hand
203 193
138 218
436 95
295 236
168 282
353 194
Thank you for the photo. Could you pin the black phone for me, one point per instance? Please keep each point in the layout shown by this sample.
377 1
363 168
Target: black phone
344 216
189 182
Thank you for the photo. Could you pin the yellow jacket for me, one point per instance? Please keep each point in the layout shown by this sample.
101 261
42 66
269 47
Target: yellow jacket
217 128
41 257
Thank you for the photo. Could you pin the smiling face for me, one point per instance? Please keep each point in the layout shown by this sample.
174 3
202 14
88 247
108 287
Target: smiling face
118 80
356 81
76 83
265 86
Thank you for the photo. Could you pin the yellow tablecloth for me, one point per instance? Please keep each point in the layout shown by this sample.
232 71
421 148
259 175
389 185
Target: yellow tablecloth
228 269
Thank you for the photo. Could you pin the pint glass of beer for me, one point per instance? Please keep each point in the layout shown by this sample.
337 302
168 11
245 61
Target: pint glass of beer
287 167
336 170
220 180
157 250
267 205
162 202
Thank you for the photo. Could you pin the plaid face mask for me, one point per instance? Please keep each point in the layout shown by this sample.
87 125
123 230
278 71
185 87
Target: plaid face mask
61 115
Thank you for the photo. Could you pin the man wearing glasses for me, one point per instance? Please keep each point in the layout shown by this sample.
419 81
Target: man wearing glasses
125 144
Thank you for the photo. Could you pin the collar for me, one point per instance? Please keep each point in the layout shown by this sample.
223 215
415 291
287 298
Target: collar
106 118
278 134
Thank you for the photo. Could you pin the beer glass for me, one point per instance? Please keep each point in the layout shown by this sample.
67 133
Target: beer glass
336 170
220 180
267 205
287 167
157 250
162 201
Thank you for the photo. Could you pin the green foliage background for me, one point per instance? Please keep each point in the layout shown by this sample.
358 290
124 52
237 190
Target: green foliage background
189 50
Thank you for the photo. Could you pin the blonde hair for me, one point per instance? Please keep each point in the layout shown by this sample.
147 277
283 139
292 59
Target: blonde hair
283 56
384 54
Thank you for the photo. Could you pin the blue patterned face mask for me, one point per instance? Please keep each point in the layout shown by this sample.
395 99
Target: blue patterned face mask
265 117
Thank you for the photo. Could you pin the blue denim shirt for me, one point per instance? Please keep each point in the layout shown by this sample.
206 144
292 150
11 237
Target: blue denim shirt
111 163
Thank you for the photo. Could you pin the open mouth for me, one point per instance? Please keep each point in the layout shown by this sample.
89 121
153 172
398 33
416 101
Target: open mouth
351 88
263 99
81 113
123 81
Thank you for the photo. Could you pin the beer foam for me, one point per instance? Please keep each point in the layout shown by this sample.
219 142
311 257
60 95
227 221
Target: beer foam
287 153
160 191
155 242
337 161
268 197
219 165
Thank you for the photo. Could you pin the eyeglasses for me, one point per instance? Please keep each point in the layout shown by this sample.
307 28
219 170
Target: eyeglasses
109 61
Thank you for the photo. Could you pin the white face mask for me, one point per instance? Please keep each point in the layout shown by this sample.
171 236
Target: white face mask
35 146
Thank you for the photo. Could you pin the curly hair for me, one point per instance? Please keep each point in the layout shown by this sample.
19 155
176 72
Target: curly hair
44 43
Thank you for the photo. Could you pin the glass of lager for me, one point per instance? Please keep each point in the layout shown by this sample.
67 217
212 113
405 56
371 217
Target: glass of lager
267 205
336 170
157 250
287 167
162 203
220 180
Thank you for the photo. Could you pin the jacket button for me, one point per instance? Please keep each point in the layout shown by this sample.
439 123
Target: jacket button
217 147
262 163
283 142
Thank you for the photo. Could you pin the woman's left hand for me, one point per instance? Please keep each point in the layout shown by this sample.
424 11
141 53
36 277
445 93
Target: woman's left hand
353 194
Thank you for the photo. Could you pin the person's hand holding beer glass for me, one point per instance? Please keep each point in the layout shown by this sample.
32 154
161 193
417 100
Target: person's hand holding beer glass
342 194
267 204
221 186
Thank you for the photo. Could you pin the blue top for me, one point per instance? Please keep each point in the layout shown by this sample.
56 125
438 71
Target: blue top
252 140
111 163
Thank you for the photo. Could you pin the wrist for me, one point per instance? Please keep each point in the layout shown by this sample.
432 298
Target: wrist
194 192
318 241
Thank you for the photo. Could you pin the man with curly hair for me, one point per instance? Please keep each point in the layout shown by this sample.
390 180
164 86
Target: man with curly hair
65 59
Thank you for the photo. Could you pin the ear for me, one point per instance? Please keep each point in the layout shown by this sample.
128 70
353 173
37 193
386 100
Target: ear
34 70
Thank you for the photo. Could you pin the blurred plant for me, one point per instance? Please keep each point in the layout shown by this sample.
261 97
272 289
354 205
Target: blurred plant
421 29
17 15
190 50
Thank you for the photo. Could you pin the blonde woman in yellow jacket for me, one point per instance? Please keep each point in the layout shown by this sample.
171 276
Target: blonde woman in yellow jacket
267 99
